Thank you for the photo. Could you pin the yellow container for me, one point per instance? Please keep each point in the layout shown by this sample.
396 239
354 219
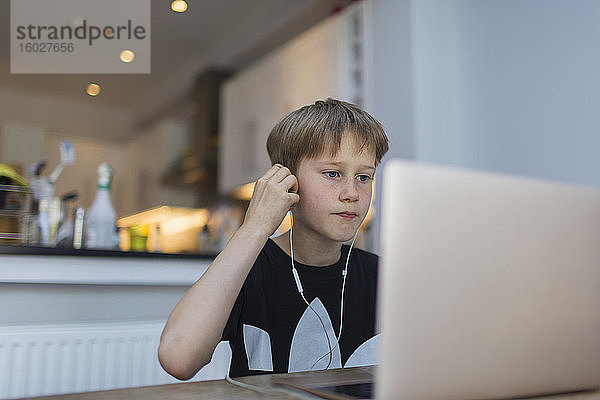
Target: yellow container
138 237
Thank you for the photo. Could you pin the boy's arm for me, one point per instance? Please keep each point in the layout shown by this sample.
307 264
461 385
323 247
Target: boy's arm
196 324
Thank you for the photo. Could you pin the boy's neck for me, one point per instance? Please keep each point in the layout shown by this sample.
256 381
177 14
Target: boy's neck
309 250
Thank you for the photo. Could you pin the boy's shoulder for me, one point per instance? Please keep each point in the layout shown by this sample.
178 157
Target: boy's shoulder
366 256
365 264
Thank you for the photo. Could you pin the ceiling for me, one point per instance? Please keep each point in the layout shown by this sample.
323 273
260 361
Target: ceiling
222 33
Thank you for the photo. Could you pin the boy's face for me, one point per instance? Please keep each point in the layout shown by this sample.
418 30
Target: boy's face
335 192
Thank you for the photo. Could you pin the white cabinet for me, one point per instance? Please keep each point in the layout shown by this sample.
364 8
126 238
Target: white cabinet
238 131
318 64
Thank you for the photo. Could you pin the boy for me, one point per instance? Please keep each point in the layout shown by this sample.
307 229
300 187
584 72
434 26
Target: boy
302 300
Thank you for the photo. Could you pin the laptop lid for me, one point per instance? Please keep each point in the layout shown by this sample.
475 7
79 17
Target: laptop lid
489 285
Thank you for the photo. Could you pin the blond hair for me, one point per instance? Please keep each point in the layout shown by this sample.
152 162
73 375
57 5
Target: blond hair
313 129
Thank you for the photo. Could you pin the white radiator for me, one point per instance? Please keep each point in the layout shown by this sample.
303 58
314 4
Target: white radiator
56 359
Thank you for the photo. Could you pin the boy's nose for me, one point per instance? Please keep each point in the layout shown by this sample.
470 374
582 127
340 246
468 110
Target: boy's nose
349 191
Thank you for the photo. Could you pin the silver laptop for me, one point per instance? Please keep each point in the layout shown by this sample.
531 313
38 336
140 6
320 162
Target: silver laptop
490 285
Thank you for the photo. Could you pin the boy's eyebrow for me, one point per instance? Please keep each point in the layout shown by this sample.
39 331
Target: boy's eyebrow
338 163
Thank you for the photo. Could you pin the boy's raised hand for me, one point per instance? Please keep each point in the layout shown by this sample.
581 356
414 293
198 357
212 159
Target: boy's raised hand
274 194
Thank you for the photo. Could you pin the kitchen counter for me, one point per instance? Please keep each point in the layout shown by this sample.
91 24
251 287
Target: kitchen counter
80 320
51 251
20 264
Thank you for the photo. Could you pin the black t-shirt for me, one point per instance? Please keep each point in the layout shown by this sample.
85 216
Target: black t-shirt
271 329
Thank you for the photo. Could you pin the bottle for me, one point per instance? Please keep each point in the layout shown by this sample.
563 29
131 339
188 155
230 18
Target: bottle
54 217
101 220
157 248
79 228
64 233
43 224
204 242
43 193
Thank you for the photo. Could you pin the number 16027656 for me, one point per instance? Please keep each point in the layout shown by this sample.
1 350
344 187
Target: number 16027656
46 47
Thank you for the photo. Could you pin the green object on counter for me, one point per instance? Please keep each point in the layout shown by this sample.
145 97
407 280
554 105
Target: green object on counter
138 237
16 179
11 184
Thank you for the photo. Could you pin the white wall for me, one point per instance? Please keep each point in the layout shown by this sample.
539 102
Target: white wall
21 143
435 71
509 86
392 102
529 80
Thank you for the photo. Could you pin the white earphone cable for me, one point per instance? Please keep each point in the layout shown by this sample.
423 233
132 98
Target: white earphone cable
345 274
301 291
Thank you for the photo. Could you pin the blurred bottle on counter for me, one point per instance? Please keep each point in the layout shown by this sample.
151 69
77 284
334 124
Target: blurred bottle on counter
205 244
46 208
101 220
43 224
156 239
42 191
66 228
79 228
224 220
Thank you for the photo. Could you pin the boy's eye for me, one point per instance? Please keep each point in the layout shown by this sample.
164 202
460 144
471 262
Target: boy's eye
331 174
364 178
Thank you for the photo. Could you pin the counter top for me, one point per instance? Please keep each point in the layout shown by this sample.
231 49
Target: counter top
276 386
99 267
51 251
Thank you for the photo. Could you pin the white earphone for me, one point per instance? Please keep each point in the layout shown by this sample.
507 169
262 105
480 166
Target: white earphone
301 291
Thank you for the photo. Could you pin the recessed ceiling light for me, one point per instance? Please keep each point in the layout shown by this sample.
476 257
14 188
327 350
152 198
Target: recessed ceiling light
127 56
93 89
179 6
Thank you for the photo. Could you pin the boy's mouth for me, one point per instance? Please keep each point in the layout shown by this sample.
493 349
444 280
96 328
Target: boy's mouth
346 214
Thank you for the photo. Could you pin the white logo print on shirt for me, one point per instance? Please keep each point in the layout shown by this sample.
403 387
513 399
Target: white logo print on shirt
308 345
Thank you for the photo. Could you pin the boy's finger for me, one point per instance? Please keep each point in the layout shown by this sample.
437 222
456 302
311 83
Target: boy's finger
272 171
281 174
291 184
295 199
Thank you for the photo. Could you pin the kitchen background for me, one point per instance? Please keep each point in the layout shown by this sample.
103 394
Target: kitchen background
504 86
192 133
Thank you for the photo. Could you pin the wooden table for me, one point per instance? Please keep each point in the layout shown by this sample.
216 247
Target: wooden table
223 390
